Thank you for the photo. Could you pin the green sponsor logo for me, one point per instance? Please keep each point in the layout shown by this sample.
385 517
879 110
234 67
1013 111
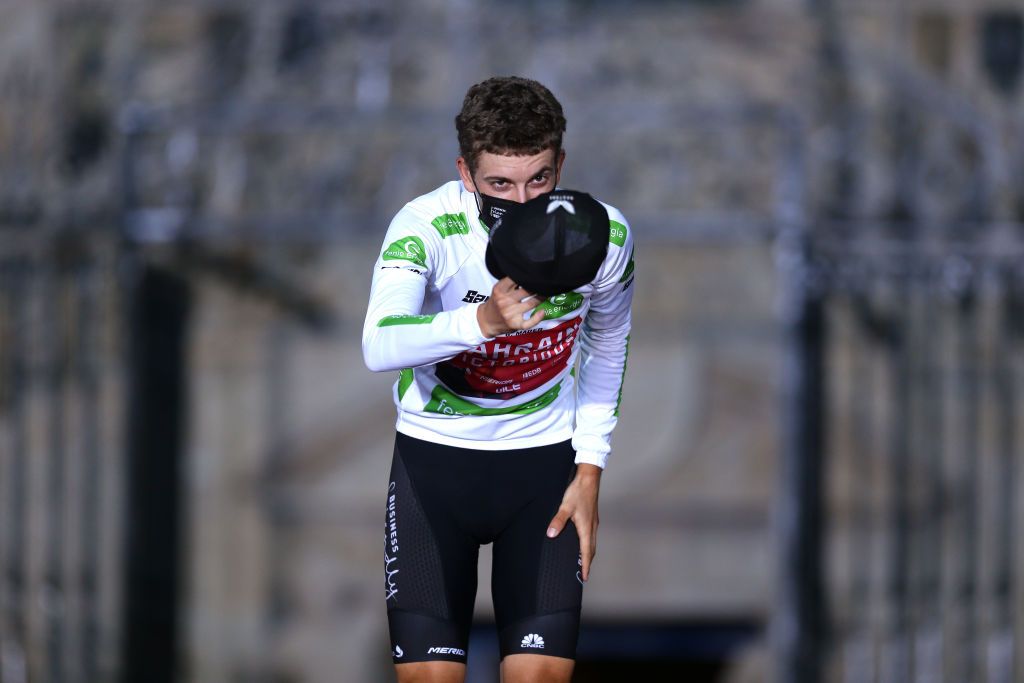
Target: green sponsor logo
404 382
617 233
407 249
451 224
391 320
629 267
560 304
446 403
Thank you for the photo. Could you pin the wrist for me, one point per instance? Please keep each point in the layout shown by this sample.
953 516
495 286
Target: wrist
487 326
585 470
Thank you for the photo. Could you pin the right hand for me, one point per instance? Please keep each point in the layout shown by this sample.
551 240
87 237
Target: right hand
504 311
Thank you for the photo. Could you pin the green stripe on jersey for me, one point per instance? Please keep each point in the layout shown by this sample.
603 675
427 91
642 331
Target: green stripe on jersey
617 233
391 320
622 380
451 224
404 382
445 402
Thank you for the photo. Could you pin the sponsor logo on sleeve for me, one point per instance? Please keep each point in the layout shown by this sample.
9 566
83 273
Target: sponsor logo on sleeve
409 249
617 233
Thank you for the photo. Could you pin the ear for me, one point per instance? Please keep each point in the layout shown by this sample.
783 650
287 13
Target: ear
464 174
558 165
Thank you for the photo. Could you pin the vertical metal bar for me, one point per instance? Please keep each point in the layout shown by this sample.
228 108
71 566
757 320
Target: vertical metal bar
800 624
859 667
897 665
968 483
53 579
928 665
278 386
13 655
89 520
156 426
1001 657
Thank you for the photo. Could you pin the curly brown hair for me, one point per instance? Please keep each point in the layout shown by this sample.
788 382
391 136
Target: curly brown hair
509 115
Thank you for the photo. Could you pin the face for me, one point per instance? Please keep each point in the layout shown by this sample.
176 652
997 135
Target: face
517 178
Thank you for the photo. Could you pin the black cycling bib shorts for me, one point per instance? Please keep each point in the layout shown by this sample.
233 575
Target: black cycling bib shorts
443 503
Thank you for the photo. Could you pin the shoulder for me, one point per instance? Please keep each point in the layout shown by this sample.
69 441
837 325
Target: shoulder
618 263
447 196
619 232
438 213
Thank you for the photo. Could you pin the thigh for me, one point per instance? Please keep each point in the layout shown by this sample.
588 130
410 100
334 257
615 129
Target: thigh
535 581
430 564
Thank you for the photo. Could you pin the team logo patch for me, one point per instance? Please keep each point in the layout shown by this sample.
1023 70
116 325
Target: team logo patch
533 640
409 249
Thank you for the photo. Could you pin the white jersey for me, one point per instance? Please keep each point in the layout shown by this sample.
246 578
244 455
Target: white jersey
459 388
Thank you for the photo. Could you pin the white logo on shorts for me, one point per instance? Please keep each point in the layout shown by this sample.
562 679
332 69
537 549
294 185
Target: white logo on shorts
533 640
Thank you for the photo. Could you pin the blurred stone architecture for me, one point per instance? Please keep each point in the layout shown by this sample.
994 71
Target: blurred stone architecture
284 135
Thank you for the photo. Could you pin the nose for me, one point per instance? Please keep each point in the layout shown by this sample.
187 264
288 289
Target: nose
521 195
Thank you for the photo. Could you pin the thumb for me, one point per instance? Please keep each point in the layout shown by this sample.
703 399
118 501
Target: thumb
557 522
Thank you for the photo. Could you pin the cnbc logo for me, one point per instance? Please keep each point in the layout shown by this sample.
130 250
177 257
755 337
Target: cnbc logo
560 304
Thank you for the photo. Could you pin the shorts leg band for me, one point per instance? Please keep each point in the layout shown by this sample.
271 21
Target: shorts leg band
552 634
421 638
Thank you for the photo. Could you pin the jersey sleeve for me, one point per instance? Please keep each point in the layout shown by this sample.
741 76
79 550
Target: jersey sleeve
397 334
604 343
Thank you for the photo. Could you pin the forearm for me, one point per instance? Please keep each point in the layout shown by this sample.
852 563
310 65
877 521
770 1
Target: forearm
397 336
601 374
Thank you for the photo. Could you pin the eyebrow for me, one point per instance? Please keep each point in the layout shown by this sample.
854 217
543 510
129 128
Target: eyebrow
493 178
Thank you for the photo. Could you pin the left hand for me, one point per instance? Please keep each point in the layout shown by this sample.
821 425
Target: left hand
580 505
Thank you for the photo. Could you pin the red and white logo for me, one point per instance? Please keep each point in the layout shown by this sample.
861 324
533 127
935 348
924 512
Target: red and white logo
513 365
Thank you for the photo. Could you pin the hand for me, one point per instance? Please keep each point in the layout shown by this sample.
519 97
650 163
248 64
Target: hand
580 505
503 312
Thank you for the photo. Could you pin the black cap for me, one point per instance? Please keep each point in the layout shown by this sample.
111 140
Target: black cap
551 244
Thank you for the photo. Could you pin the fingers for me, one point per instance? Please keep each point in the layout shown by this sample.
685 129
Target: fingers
587 532
537 316
558 522
508 286
588 547
516 306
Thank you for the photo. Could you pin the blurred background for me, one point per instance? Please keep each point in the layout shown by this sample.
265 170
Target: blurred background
816 472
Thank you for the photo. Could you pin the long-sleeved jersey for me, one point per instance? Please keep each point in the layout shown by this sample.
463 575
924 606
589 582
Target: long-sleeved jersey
460 388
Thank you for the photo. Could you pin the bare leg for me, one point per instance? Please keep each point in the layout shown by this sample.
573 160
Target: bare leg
431 672
536 669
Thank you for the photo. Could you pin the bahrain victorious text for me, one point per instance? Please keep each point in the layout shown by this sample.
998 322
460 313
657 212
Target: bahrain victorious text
512 365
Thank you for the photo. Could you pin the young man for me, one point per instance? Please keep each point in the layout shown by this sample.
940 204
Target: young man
501 438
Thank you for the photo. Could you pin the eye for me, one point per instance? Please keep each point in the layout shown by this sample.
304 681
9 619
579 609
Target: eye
540 178
499 184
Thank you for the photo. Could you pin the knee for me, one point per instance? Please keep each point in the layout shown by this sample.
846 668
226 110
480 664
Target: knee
525 668
431 672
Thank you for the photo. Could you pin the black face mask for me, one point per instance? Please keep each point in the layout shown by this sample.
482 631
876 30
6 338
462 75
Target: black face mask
492 208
